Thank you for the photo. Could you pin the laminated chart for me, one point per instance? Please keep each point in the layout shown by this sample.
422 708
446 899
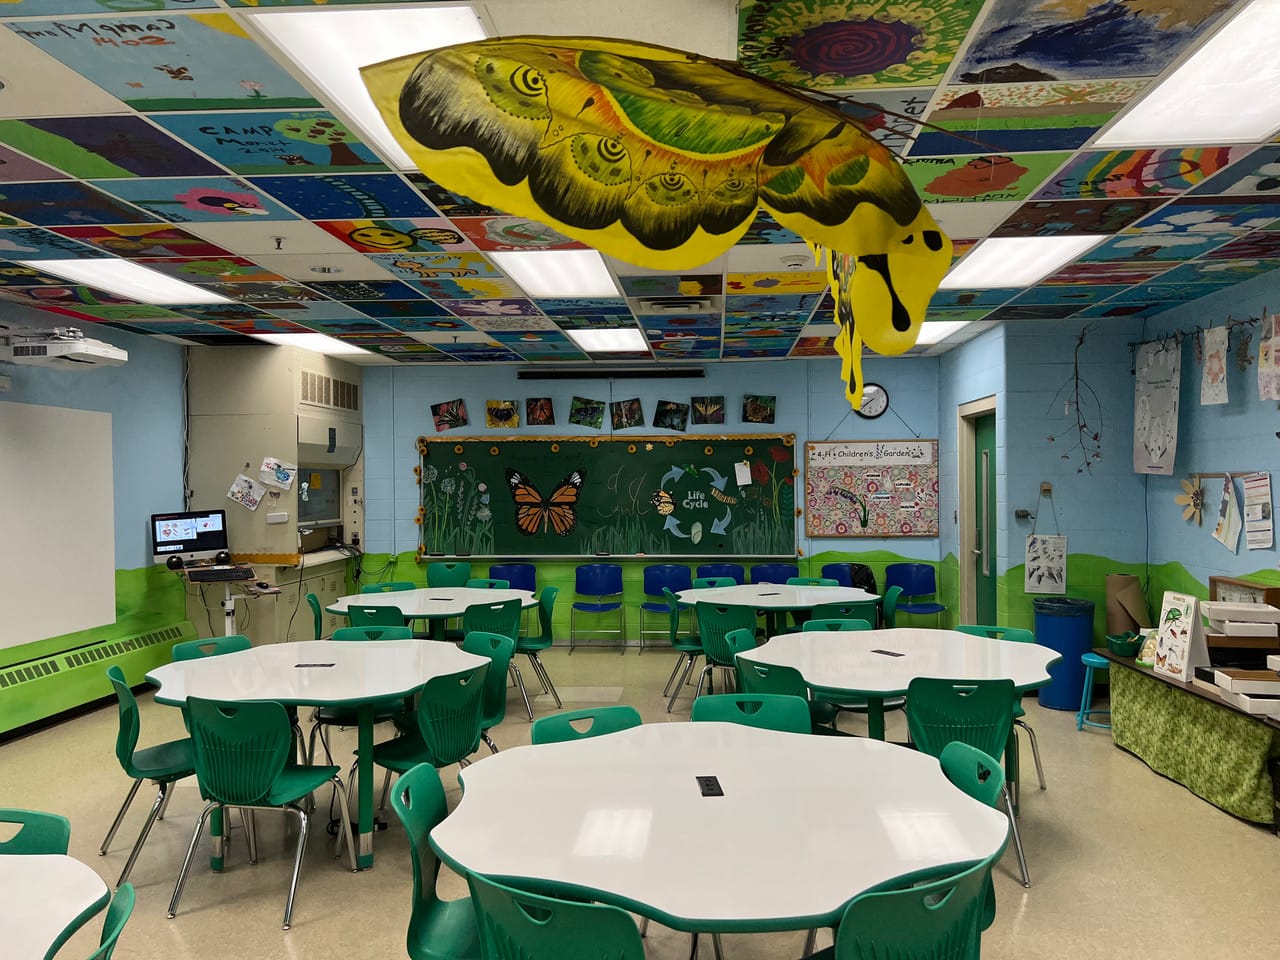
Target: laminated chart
871 488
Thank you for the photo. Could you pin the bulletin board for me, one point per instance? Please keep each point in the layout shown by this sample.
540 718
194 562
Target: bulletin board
871 488
660 496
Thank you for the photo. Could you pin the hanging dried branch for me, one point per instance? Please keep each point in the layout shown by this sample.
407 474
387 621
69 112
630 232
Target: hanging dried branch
1081 398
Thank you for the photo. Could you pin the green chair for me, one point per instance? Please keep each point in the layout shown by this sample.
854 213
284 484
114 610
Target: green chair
889 607
499 650
777 679
689 648
350 716
41 833
517 925
812 582
448 573
209 647
559 727
393 586
531 647
715 622
1014 635
317 616
502 618
835 625
379 615
976 712
163 764
242 756
438 929
980 776
938 919
372 633
118 914
702 583
481 583
768 711
868 610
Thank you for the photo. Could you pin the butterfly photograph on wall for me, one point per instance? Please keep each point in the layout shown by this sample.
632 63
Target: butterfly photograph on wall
536 514
670 415
585 412
758 409
539 412
708 409
449 415
626 413
502 414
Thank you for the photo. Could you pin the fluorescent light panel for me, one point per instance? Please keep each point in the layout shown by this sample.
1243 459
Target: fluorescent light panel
330 47
935 331
128 279
620 340
1015 261
316 342
1222 93
558 273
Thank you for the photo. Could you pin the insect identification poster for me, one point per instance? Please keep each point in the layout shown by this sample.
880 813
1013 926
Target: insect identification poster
871 488
656 496
1046 564
1158 368
1180 641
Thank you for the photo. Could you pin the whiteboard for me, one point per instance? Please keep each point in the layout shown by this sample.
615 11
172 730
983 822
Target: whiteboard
57 522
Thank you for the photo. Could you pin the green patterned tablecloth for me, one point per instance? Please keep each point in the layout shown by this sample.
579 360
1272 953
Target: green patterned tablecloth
1216 753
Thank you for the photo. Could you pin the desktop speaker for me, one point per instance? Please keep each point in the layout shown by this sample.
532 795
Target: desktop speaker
223 557
174 563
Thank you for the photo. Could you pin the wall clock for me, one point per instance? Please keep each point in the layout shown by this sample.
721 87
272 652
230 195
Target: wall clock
875 401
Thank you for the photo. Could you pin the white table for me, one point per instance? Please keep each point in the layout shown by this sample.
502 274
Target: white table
805 822
436 604
862 663
774 596
46 898
320 673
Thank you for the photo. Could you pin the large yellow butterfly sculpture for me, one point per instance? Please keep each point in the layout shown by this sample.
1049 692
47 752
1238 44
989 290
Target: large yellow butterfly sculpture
661 158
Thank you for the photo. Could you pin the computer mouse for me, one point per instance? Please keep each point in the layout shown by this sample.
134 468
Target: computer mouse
263 585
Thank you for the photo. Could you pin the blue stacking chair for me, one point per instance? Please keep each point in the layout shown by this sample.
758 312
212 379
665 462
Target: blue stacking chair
774 572
732 570
675 577
919 583
839 572
520 576
603 581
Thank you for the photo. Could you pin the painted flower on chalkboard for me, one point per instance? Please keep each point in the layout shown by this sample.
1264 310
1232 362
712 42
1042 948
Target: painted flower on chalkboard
760 472
779 454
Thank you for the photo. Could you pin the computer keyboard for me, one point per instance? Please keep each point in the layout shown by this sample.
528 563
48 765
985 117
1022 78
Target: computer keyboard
219 574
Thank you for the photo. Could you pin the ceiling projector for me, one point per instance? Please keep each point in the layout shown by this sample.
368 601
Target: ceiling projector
61 348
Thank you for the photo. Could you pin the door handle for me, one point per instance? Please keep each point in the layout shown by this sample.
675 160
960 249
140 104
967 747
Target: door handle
977 551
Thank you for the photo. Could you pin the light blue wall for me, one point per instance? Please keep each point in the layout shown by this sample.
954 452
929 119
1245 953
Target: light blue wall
811 404
145 400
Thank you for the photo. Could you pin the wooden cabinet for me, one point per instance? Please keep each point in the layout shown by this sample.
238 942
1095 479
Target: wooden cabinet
274 618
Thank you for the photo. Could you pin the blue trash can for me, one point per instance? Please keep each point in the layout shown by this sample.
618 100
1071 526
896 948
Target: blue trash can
1064 624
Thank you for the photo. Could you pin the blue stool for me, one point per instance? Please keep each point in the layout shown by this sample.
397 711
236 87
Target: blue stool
1091 662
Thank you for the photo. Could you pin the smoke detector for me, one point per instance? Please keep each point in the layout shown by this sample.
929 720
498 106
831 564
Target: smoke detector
796 262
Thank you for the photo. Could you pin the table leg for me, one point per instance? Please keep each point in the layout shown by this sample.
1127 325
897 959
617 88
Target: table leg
437 627
875 718
364 777
218 844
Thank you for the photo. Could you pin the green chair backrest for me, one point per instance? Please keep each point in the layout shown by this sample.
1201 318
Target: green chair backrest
516 925
976 712
812 582
317 615
1013 634
118 915
973 771
770 678
739 641
240 747
769 711
558 727
673 617
889 606
825 624
482 583
418 800
40 832
499 649
449 713
546 608
373 633
127 736
703 582
393 586
935 920
715 621
374 616
448 573
210 647
502 618
867 610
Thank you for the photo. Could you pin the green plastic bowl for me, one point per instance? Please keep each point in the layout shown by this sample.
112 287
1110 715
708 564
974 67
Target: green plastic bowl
1124 644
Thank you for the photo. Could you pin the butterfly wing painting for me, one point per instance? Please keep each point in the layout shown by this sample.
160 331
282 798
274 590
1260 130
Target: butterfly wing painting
535 513
661 158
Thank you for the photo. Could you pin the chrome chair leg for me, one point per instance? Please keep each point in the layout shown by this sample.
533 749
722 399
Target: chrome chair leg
689 662
386 791
715 946
1017 839
168 795
303 823
644 927
115 824
528 708
810 941
484 735
162 798
666 690
345 831
191 854
250 832
1035 749
707 672
545 677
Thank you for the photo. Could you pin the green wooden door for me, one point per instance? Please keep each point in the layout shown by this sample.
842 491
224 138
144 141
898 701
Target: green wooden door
984 487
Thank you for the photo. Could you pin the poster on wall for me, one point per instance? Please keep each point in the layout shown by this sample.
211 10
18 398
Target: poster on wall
1258 529
1180 642
1227 530
1158 368
1046 564
871 488
1269 358
1213 378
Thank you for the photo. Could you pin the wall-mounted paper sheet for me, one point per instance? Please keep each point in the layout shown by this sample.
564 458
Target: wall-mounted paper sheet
1258 529
277 473
246 491
1227 529
1213 378
1155 407
1046 564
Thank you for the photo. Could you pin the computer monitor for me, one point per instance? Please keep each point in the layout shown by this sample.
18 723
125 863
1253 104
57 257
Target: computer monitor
192 535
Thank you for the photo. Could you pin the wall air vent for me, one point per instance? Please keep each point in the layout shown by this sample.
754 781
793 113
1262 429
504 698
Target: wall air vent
319 390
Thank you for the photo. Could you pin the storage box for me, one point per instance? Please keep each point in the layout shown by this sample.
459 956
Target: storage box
1221 610
1237 628
1273 661
1248 681
1255 703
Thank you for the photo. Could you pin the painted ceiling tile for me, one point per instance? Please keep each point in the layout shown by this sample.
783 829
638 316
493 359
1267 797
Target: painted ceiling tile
1260 244
479 353
491 308
254 237
137 311
514 233
438 266
105 147
975 313
1022 117
35 244
772 303
846 44
1123 272
196 199
1028 40
756 348
765 229
65 203
648 309
1050 218
447 202
1212 271
144 240
569 306
952 299
656 329
801 281
1034 311
1077 294
178 328
200 62
891 116
1120 311
1156 245
307 267
16 167
522 324
466 288
673 285
587 322
305 311
1137 173
389 310
405 237
266 143
69 295
8 222
342 326
342 197
989 177
60 8
263 325
1167 292
344 290
227 312
1210 215
814 347
259 293
1257 174
208 270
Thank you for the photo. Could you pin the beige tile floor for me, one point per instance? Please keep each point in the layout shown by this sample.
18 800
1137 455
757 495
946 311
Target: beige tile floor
1124 863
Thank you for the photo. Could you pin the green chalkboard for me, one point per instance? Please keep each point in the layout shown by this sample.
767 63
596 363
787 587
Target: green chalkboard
580 496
